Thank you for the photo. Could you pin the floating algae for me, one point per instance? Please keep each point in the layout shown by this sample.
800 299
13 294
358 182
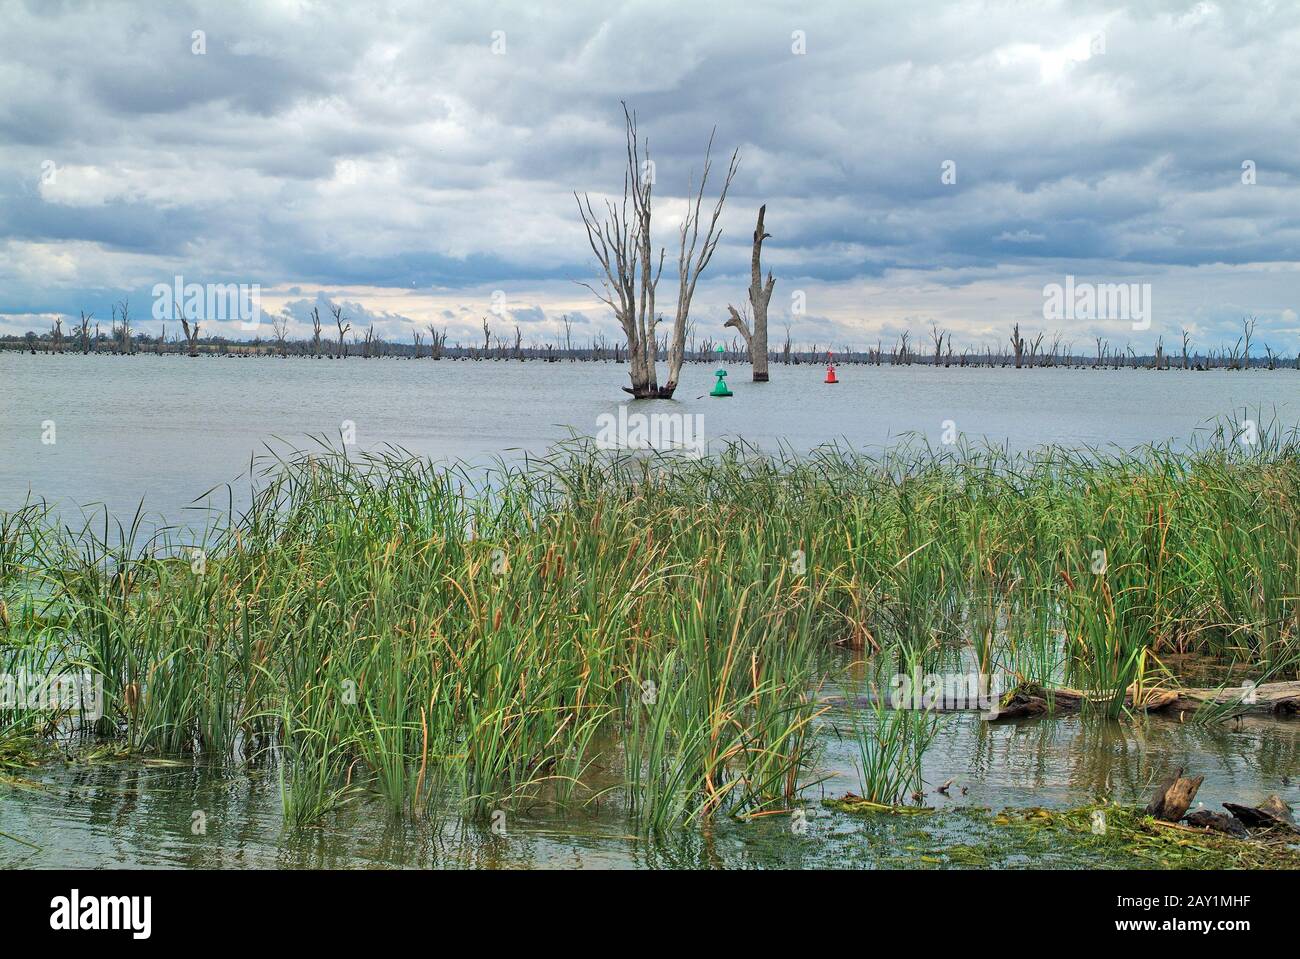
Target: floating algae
1128 831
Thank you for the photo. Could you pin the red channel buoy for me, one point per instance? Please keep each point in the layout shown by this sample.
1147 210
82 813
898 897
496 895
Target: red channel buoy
830 369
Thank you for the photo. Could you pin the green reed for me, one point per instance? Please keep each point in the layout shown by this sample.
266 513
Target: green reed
658 629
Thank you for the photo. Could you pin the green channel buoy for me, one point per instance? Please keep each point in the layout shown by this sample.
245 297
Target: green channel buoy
720 387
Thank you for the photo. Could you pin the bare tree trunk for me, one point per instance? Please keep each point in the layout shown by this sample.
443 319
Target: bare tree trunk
437 341
191 336
124 309
936 335
621 243
343 330
759 296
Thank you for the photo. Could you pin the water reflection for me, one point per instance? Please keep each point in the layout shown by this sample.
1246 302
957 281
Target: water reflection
139 814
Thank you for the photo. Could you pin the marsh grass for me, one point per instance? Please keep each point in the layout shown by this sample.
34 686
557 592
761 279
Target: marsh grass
587 626
891 742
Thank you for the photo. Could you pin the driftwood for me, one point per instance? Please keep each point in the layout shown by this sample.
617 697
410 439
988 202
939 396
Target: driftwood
1173 796
1272 813
1036 701
1272 816
1280 699
1218 822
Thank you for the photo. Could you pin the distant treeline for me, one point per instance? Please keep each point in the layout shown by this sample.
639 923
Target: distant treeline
1017 352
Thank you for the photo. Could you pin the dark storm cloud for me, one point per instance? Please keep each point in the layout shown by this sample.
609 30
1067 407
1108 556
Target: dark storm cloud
412 146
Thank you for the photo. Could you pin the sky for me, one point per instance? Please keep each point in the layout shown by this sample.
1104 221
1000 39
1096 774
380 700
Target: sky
921 163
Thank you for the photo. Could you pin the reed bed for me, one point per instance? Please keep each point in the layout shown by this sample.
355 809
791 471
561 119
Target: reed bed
653 630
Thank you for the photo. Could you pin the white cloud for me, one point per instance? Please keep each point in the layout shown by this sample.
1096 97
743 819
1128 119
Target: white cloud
379 150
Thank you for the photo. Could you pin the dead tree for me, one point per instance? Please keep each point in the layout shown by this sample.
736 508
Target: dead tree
315 331
57 334
1248 331
437 342
1055 348
760 294
621 242
123 333
568 338
191 332
903 352
1018 344
280 326
343 330
936 336
83 331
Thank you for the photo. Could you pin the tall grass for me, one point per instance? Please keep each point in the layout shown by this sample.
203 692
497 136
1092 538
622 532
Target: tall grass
657 629
891 742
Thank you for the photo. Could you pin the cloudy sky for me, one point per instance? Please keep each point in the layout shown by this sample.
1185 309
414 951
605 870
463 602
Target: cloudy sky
409 159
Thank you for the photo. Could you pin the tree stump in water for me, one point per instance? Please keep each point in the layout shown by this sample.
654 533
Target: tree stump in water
1173 796
1272 813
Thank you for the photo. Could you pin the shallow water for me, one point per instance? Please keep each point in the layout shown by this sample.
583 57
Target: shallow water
166 429
128 814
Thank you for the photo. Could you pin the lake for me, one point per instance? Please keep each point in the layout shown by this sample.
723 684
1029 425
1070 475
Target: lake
165 429
132 814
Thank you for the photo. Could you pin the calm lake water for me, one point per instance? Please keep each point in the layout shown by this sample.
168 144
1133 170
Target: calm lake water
132 814
165 429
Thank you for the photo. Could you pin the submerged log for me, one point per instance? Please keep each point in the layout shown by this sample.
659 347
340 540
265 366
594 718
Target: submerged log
1272 813
1218 822
1037 701
1173 796
1279 699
